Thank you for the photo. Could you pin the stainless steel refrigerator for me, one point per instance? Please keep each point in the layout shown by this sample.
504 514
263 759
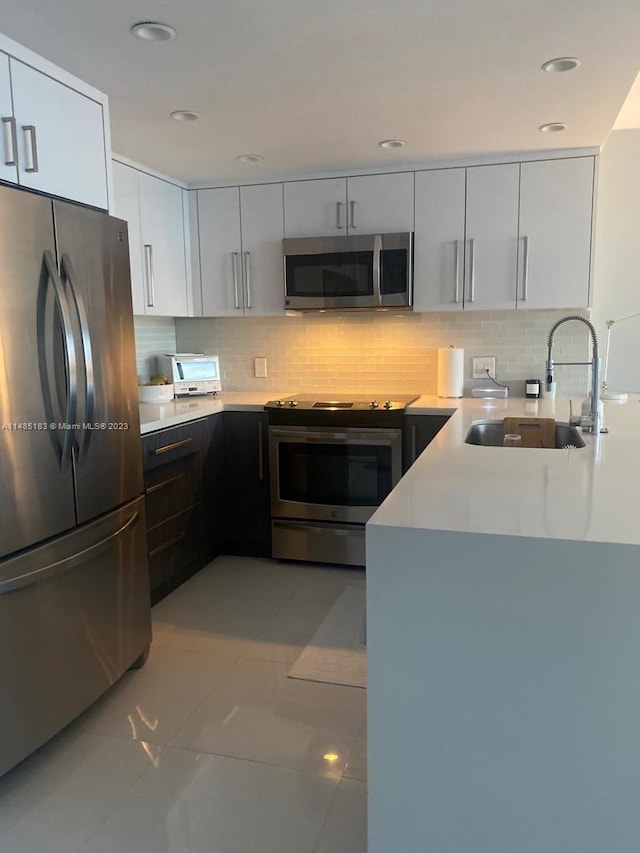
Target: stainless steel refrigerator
74 587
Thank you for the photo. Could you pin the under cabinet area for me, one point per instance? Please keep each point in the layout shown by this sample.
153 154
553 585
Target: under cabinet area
247 510
418 432
155 212
180 501
514 235
53 135
240 231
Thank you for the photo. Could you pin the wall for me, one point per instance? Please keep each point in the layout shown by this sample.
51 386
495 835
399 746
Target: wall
154 335
616 271
382 353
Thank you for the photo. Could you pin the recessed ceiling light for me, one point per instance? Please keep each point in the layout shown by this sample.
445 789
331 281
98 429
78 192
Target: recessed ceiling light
392 143
152 31
184 115
561 64
250 158
553 127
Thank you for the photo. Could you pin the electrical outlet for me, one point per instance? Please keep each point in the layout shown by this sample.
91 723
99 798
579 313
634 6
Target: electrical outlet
260 367
482 365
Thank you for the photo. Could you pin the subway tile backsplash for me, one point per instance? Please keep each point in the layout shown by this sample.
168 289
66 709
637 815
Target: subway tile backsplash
378 354
154 336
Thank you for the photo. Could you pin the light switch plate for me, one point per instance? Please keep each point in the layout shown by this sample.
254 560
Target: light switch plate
482 364
260 367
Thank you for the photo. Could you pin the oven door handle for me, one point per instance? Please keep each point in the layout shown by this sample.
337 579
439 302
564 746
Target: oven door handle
381 437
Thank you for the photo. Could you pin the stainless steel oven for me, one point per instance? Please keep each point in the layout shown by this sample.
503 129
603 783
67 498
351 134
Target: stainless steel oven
332 464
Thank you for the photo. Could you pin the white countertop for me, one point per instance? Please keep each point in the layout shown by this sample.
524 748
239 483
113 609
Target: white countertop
590 494
155 416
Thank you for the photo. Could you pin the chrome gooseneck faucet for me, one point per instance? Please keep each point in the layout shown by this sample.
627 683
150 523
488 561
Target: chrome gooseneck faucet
592 423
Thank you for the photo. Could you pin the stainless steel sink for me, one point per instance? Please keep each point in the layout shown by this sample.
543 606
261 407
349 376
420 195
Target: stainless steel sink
490 434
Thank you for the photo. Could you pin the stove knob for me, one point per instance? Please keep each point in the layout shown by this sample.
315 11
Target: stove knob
373 404
279 404
388 404
293 404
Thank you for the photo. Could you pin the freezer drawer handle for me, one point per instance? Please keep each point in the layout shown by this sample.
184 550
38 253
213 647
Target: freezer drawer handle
71 366
176 444
157 487
169 544
66 268
71 562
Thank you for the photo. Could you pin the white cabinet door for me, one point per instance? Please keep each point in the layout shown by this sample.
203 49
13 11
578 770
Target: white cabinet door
126 205
9 150
556 199
261 209
220 252
315 208
491 236
380 204
164 259
439 240
61 138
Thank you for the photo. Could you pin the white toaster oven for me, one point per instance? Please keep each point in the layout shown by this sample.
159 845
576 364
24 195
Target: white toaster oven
191 372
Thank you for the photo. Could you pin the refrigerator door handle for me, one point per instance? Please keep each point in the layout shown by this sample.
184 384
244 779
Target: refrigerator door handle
67 270
70 361
59 566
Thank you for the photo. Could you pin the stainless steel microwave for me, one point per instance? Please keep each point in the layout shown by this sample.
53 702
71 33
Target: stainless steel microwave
365 272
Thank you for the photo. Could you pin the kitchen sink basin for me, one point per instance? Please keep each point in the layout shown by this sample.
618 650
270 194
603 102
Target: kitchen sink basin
490 434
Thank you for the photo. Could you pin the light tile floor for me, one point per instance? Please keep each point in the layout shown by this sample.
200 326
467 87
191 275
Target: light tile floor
209 748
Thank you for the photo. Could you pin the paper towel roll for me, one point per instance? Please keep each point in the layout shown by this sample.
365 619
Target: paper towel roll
450 372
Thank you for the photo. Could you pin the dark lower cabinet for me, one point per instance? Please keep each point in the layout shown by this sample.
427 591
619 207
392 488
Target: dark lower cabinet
183 516
418 431
247 513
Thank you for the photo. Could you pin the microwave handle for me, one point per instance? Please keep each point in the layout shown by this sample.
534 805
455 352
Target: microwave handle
377 267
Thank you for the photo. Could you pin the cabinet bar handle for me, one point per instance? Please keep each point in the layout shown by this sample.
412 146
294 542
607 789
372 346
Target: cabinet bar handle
456 271
247 278
176 444
525 269
10 139
148 267
472 275
339 215
234 263
352 206
31 145
169 544
163 485
414 446
260 453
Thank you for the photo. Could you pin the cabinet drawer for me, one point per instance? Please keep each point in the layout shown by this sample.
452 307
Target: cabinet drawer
175 550
173 488
165 446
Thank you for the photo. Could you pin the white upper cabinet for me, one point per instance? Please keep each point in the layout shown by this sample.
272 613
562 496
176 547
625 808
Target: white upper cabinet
261 209
315 208
333 207
240 232
61 141
439 240
163 247
9 150
126 205
491 235
555 232
220 252
380 204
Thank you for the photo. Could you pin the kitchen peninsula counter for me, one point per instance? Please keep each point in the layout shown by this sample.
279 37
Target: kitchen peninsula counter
503 599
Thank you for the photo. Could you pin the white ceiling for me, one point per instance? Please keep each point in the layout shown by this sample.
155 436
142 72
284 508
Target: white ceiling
314 86
629 115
